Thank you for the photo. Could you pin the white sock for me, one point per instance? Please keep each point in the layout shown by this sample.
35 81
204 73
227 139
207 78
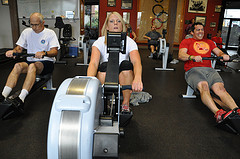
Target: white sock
6 91
23 94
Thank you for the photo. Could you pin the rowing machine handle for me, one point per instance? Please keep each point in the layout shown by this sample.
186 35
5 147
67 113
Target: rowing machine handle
25 55
210 58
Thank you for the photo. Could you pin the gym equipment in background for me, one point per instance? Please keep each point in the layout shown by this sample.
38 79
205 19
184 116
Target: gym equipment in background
85 44
163 50
65 40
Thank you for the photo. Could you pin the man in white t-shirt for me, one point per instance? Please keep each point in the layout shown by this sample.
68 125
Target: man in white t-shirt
44 44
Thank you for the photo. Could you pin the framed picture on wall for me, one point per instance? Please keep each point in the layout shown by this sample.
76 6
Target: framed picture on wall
111 3
201 19
218 8
126 4
197 6
4 2
213 24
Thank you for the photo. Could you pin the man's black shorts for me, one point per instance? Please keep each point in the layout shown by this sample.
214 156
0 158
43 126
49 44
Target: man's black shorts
48 66
155 43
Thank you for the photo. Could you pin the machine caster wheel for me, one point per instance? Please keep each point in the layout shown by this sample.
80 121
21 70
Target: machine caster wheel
121 132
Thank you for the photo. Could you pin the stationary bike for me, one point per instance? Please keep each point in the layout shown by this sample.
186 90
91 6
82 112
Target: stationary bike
85 120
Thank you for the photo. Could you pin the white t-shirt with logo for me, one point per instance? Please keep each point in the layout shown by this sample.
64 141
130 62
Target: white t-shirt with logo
36 42
102 47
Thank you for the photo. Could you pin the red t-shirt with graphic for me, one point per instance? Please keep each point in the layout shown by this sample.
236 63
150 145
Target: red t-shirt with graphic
201 48
218 41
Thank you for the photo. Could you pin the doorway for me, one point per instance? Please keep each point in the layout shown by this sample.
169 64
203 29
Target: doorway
91 21
231 29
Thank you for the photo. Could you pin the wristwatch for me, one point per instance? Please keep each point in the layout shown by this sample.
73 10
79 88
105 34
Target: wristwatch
45 53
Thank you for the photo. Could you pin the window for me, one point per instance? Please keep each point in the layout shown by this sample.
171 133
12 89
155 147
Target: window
91 16
232 13
231 28
126 17
91 21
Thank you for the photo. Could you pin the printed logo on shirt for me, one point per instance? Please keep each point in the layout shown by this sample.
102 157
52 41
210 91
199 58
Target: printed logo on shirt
43 41
201 47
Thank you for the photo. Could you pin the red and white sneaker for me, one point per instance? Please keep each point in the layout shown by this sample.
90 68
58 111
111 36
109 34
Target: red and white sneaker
125 108
221 115
237 110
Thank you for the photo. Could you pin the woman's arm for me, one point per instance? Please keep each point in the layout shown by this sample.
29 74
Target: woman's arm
94 62
137 84
134 36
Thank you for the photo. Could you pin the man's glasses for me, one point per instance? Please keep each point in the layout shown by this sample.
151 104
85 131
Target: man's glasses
35 25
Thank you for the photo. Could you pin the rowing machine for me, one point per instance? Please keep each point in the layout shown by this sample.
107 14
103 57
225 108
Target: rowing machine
7 111
232 122
163 50
85 120
190 91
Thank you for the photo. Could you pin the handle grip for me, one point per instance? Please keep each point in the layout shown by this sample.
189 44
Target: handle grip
210 58
23 54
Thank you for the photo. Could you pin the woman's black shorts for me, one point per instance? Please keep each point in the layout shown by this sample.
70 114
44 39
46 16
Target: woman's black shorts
124 66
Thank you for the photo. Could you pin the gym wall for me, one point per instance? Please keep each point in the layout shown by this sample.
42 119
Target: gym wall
211 16
145 8
5 29
143 24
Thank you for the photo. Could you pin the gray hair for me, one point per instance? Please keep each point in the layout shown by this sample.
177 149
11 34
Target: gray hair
39 15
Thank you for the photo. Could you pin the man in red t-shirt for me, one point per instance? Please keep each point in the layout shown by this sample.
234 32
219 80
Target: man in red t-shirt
201 76
218 40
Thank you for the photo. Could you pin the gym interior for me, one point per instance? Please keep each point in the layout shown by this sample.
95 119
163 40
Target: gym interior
168 126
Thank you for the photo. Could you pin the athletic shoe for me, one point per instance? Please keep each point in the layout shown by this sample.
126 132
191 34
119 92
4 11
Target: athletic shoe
15 108
125 109
17 104
237 110
2 98
221 115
